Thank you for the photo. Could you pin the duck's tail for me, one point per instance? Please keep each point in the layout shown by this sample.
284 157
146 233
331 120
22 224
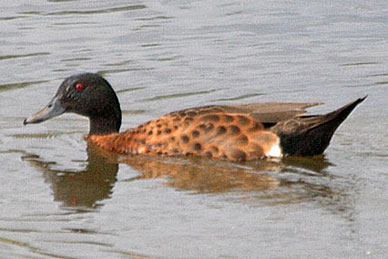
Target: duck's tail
310 135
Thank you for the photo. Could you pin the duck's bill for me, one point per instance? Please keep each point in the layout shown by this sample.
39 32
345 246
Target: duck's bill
53 109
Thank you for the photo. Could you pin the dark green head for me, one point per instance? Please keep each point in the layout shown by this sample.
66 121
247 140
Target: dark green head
86 94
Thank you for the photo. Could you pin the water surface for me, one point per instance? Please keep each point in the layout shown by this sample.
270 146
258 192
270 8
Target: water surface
61 198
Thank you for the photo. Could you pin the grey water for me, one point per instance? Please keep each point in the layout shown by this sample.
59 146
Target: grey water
60 198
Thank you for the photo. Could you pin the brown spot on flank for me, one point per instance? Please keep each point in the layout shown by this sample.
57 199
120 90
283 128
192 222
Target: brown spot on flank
215 149
167 131
188 120
234 129
191 113
211 117
238 155
140 141
255 150
223 156
185 138
197 146
195 133
242 140
243 120
208 128
221 130
228 118
172 139
257 126
150 132
208 154
158 132
182 113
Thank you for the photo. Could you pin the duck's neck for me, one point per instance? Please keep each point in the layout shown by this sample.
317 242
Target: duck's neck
103 126
106 123
106 119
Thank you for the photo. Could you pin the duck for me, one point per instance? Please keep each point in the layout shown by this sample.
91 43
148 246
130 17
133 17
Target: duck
237 132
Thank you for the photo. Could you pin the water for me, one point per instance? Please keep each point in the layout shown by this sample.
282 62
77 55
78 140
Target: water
61 198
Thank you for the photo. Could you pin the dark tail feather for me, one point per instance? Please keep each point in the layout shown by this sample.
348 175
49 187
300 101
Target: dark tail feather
310 135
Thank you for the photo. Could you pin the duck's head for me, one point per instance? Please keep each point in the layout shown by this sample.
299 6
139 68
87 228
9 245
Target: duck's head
86 94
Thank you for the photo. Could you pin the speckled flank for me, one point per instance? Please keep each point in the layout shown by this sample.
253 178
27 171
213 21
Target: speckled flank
199 132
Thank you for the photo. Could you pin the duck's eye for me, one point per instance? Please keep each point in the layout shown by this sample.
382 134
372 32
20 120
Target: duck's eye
79 86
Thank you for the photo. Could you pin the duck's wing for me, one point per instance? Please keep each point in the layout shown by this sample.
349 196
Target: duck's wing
266 113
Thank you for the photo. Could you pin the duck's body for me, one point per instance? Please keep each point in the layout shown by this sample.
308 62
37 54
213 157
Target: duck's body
235 132
205 131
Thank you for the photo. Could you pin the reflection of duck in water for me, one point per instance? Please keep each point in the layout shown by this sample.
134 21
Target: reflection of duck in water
235 132
82 188
86 188
255 183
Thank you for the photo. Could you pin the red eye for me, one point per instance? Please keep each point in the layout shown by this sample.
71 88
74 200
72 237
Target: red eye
79 86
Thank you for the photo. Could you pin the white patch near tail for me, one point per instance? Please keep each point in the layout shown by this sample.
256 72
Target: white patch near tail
275 151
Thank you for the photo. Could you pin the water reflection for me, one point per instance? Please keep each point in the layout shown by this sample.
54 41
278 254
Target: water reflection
205 176
79 189
264 182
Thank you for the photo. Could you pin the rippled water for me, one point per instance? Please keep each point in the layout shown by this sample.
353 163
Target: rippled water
61 198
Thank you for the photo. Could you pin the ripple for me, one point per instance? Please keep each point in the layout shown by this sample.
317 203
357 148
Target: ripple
13 242
7 87
381 83
10 18
24 56
114 71
76 59
58 1
359 64
130 89
100 11
241 97
377 75
155 18
150 45
179 95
